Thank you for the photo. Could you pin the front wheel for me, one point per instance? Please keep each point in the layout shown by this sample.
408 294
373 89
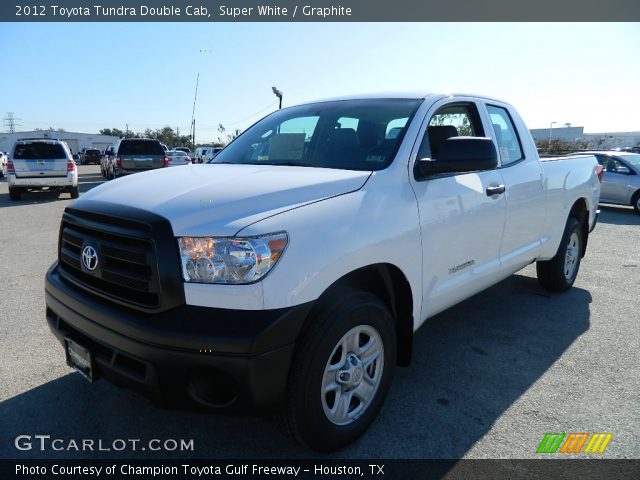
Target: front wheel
635 202
559 273
341 372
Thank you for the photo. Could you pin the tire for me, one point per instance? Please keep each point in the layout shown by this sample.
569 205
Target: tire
635 202
14 194
559 273
332 368
75 192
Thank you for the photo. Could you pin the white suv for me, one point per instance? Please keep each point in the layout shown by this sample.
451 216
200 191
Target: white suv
3 164
41 163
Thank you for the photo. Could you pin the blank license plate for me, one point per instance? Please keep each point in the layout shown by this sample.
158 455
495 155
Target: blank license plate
79 357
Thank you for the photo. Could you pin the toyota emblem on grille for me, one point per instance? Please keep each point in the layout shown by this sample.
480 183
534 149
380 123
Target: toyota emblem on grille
89 258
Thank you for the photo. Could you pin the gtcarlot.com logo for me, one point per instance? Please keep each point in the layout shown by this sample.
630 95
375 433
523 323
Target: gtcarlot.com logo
47 443
573 442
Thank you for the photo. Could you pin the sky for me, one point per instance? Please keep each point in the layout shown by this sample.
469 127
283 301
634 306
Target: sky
85 77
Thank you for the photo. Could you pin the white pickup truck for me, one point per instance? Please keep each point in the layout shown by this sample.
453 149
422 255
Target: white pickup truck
291 274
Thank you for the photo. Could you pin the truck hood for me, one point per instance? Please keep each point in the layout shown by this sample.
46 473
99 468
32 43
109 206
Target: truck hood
202 200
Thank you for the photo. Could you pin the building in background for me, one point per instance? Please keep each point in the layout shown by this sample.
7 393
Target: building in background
76 141
591 141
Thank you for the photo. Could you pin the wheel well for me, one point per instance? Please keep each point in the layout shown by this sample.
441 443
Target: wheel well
388 283
580 212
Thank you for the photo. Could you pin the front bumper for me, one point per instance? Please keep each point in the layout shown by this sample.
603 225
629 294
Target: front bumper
38 182
595 220
189 356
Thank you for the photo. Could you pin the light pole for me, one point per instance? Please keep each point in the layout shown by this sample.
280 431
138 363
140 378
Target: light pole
550 128
278 94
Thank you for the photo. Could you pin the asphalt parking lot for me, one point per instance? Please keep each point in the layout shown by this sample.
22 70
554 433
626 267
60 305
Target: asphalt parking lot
489 377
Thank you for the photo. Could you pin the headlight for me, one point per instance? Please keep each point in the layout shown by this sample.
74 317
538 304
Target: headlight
229 260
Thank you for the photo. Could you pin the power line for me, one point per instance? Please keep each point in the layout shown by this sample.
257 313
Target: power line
228 124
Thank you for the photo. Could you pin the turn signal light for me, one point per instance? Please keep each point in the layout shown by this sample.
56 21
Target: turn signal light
118 161
10 167
166 161
71 165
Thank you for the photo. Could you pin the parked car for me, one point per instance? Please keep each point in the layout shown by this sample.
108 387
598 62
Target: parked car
185 150
621 182
3 164
132 155
201 154
292 272
91 156
37 164
105 160
211 154
177 158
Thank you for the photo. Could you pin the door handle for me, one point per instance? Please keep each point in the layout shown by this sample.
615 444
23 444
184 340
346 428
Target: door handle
497 190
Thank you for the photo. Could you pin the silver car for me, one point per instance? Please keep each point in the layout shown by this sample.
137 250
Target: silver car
177 157
621 182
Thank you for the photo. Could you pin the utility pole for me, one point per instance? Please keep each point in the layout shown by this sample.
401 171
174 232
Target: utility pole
10 122
193 112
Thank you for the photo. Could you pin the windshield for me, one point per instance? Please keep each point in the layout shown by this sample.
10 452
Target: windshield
634 160
348 135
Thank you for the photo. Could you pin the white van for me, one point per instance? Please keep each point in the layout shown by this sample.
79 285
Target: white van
202 154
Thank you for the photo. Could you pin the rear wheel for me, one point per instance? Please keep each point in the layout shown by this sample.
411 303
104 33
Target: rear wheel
559 273
341 372
75 192
14 194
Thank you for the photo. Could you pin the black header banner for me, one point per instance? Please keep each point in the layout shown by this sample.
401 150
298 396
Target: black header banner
320 11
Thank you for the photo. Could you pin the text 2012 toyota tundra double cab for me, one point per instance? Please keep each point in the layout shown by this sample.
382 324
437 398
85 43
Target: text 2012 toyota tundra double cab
291 273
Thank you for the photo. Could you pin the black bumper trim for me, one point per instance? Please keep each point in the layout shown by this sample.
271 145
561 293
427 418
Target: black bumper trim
183 355
187 327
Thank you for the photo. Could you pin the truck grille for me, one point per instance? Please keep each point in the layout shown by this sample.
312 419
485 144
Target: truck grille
127 268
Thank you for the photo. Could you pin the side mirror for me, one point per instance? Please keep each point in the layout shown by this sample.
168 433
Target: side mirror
458 155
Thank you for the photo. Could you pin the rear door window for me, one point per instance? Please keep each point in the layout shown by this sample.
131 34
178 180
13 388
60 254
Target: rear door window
39 151
507 139
140 147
